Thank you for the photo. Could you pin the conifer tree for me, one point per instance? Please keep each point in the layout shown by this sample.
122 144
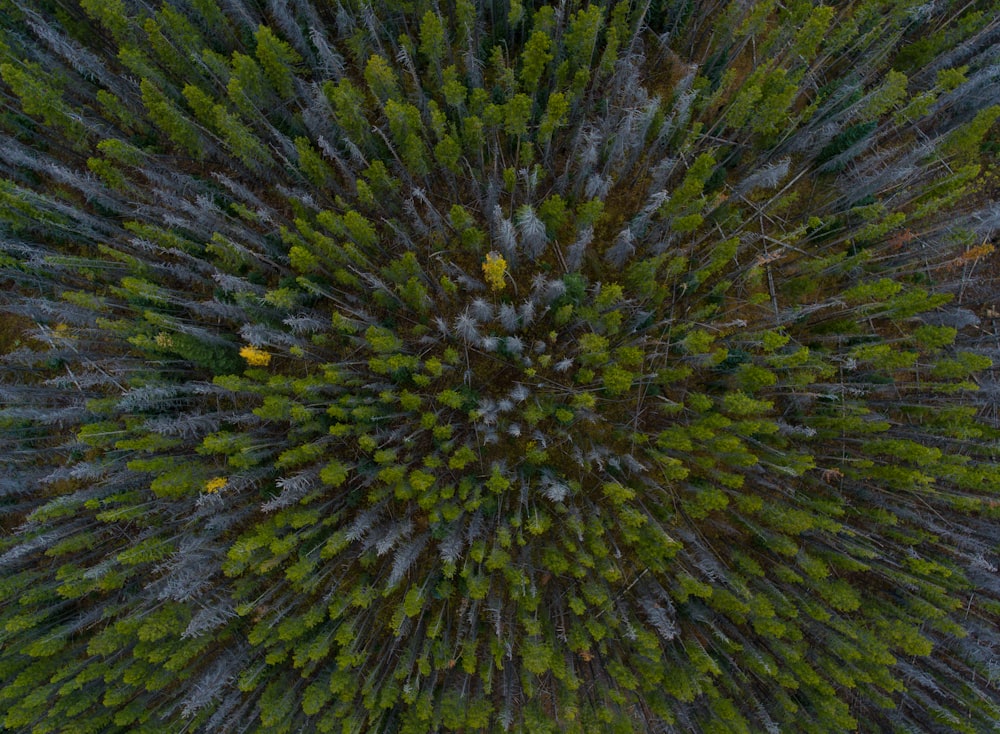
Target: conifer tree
498 367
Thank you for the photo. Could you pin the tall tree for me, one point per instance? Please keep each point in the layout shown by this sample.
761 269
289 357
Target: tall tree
498 367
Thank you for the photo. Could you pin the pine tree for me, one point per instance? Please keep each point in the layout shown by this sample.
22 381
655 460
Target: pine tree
492 366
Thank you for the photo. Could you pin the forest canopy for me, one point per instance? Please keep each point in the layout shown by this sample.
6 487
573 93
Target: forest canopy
499 366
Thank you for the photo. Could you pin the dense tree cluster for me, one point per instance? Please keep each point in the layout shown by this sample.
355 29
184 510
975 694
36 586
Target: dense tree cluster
491 366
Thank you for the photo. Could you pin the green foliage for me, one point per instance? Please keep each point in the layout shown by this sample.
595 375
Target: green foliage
165 115
109 14
846 140
334 474
964 142
432 37
41 95
280 455
381 79
616 380
276 58
889 94
537 54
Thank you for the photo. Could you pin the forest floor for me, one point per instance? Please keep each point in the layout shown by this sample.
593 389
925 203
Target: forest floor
12 330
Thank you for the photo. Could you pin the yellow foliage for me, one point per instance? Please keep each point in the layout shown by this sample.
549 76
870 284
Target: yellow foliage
495 270
214 485
255 357
974 254
62 331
